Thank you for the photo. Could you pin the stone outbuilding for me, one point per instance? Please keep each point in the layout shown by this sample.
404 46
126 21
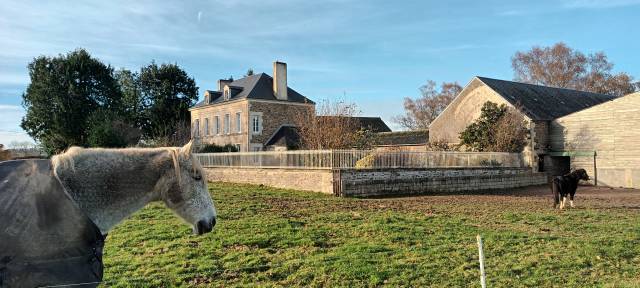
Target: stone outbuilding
604 140
539 105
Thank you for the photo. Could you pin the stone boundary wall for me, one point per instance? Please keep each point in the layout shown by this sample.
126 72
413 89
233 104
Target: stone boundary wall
381 182
318 180
386 182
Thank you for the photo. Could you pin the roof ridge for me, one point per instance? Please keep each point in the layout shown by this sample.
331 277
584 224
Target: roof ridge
538 85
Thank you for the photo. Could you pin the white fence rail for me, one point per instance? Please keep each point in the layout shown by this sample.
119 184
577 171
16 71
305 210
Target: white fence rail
328 159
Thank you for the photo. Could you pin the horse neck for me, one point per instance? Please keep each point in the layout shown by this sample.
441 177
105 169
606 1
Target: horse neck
109 187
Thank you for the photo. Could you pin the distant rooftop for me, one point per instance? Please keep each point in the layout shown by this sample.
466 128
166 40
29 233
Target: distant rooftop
257 86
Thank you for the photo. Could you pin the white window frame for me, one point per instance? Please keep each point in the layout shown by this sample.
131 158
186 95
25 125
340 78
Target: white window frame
256 129
239 122
227 123
217 124
206 126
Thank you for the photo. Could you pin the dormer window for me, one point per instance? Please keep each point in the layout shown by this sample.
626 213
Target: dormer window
226 93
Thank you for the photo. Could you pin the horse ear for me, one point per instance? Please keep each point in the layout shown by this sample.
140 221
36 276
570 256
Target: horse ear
187 148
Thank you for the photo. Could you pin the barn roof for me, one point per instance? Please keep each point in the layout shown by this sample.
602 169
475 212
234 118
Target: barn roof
542 102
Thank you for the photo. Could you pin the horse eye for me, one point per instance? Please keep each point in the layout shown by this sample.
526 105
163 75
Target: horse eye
197 177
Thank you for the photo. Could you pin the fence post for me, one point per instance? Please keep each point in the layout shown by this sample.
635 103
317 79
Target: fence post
483 281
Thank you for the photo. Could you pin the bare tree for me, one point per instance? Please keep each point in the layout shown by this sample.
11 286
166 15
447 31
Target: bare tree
333 126
420 112
564 67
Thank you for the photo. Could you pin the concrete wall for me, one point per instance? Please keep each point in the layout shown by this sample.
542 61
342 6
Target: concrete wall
381 182
612 130
320 180
464 109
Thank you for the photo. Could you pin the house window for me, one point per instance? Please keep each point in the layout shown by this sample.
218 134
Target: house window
206 126
238 123
196 128
217 120
255 124
227 121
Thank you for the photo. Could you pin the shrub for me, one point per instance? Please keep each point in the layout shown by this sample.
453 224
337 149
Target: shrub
499 129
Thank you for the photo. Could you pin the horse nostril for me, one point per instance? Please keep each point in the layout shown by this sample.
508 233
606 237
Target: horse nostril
213 222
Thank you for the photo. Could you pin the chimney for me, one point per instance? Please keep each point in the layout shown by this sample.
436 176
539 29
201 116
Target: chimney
222 83
280 80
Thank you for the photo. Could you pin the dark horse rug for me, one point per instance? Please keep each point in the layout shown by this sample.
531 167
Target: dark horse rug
45 239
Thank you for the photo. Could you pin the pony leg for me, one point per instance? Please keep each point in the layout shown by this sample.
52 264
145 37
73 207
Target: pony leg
571 201
563 203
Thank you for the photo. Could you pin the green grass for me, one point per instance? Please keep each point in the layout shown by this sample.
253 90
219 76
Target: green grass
275 237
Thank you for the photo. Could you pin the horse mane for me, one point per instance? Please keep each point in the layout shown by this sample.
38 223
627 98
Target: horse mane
66 160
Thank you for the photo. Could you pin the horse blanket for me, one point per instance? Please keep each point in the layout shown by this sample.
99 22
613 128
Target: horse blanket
45 239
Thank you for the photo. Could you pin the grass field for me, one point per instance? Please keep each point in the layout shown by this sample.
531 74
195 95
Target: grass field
275 237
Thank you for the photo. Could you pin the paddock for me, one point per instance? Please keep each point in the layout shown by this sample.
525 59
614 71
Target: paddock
279 237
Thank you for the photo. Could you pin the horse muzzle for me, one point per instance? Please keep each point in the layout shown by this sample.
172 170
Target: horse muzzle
204 226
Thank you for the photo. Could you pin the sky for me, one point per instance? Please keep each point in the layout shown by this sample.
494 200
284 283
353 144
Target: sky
373 53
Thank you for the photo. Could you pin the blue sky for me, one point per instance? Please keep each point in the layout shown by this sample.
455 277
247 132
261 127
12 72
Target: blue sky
374 52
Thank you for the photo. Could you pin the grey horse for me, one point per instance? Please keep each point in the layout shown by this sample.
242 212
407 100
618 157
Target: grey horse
111 184
55 214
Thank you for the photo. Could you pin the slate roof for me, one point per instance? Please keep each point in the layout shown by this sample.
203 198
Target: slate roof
542 102
374 124
285 136
418 137
257 86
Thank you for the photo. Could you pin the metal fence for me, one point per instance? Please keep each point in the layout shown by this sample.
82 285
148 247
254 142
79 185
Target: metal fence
328 159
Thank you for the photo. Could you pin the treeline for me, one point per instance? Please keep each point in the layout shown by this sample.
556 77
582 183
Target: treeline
75 99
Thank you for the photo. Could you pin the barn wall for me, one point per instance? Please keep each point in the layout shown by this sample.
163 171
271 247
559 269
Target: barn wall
462 111
612 129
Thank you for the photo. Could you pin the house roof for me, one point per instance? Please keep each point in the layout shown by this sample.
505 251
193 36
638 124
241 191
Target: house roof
417 137
542 102
374 124
257 86
285 136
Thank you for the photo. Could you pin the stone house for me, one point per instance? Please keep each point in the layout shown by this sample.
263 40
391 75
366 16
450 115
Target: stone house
539 105
603 139
249 113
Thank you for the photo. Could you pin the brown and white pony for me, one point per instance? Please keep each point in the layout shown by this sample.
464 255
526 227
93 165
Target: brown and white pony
561 186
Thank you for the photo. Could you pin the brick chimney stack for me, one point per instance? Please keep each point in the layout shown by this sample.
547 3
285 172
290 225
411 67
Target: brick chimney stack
222 83
280 80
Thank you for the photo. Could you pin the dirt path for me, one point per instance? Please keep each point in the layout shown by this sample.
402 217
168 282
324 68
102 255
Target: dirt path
586 197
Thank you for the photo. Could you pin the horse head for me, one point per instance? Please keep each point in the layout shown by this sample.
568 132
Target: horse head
582 174
187 194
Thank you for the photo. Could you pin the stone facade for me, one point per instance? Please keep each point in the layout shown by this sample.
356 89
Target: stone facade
610 130
276 115
272 115
221 137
